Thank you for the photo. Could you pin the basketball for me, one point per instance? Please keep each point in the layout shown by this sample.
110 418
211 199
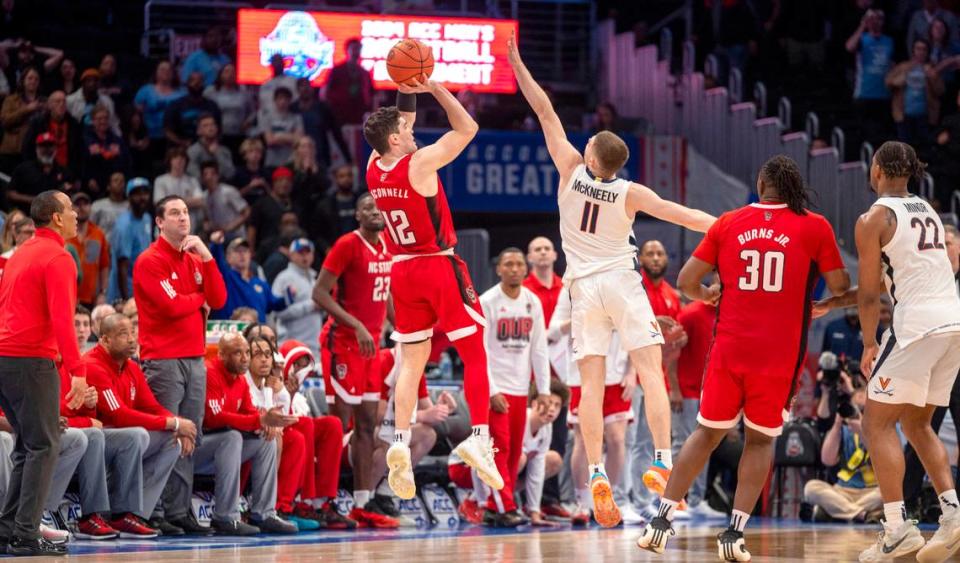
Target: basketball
408 59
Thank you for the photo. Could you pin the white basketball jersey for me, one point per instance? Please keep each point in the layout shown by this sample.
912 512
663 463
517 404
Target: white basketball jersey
918 274
594 226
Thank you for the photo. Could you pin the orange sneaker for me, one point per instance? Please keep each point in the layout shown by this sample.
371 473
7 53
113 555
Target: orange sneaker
605 510
656 479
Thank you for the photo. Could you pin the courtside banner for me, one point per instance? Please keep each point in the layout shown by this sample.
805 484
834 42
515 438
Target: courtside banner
510 171
470 53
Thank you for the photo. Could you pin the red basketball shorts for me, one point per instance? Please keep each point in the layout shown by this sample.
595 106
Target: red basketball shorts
348 376
615 408
761 397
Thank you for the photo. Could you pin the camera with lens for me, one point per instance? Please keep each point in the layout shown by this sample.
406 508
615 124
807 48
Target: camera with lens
840 398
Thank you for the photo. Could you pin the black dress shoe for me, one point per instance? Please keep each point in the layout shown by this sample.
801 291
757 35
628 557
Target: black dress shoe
191 527
22 547
166 528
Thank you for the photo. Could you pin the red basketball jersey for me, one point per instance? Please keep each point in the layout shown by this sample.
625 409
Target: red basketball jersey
416 224
769 259
363 283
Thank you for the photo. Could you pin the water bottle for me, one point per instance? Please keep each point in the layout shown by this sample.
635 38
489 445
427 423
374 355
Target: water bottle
446 366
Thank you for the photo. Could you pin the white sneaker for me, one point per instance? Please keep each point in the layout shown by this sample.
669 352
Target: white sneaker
730 546
682 515
478 453
400 477
944 543
655 535
894 543
705 512
650 511
53 535
630 516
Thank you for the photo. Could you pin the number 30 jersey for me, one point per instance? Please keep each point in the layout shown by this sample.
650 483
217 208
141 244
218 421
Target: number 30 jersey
594 225
416 225
768 259
363 281
917 272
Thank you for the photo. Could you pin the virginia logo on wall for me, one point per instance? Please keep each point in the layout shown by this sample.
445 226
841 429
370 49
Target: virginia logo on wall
306 51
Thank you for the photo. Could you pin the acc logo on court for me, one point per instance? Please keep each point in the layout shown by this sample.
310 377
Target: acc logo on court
306 51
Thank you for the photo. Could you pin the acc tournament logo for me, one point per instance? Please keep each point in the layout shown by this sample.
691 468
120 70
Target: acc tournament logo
306 51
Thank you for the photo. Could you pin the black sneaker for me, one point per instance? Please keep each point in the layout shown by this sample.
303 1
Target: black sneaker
383 505
655 535
489 517
510 519
38 547
235 528
166 528
190 526
730 546
275 525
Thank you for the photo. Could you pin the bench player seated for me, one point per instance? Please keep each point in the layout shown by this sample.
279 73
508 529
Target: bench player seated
537 461
322 440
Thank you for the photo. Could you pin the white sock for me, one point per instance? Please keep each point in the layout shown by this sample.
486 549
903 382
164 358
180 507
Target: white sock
667 508
319 502
665 457
598 468
948 502
584 498
361 498
384 488
481 430
894 513
738 520
402 436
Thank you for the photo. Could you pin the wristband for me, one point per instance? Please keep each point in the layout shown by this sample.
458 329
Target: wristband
406 103
176 424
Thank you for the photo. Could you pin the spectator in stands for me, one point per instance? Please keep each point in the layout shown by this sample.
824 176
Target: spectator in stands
112 84
104 153
176 280
281 128
207 60
106 209
855 495
251 176
15 114
81 324
278 260
843 337
38 175
126 401
82 103
323 439
177 182
244 287
338 213
266 213
916 90
301 319
279 80
229 410
350 88
181 117
154 98
66 131
226 209
237 108
7 238
66 80
44 59
289 220
208 148
606 118
135 135
92 248
130 236
874 55
318 122
801 23
246 315
99 313
923 18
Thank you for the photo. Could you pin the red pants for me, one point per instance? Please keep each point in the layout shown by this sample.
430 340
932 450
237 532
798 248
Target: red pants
507 429
323 442
293 460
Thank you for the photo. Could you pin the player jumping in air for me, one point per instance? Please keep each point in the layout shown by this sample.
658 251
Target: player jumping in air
597 211
430 284
769 255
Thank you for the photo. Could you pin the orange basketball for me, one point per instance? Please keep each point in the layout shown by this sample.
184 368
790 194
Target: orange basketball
408 59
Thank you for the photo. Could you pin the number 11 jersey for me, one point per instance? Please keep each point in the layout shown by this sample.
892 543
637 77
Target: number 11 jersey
768 259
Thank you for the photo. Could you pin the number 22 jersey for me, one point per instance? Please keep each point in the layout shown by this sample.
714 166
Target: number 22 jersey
768 259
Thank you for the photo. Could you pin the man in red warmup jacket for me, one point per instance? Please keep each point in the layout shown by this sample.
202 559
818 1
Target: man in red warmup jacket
38 295
175 283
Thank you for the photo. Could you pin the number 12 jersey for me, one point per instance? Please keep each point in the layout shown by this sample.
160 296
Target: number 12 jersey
768 259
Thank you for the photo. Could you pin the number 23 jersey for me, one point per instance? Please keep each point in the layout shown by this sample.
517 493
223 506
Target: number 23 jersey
768 259
363 281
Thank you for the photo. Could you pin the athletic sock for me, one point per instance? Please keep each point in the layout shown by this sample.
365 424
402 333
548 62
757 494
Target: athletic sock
361 498
481 430
948 502
667 508
319 502
402 436
894 513
598 468
665 457
738 520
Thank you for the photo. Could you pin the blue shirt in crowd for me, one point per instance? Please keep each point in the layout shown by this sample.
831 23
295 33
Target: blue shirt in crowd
154 106
915 95
859 471
873 63
206 64
254 293
130 236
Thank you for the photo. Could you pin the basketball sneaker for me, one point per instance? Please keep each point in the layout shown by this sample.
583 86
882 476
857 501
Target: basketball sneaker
555 510
330 519
478 453
605 510
656 479
580 517
370 517
655 534
94 527
944 543
401 471
730 546
631 517
470 511
54 535
892 543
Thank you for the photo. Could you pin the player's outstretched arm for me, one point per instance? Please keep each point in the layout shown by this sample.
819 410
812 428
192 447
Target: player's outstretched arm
642 198
565 156
690 279
431 158
868 233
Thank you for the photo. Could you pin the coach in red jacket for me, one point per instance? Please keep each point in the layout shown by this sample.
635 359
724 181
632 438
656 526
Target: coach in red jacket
175 283
38 295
